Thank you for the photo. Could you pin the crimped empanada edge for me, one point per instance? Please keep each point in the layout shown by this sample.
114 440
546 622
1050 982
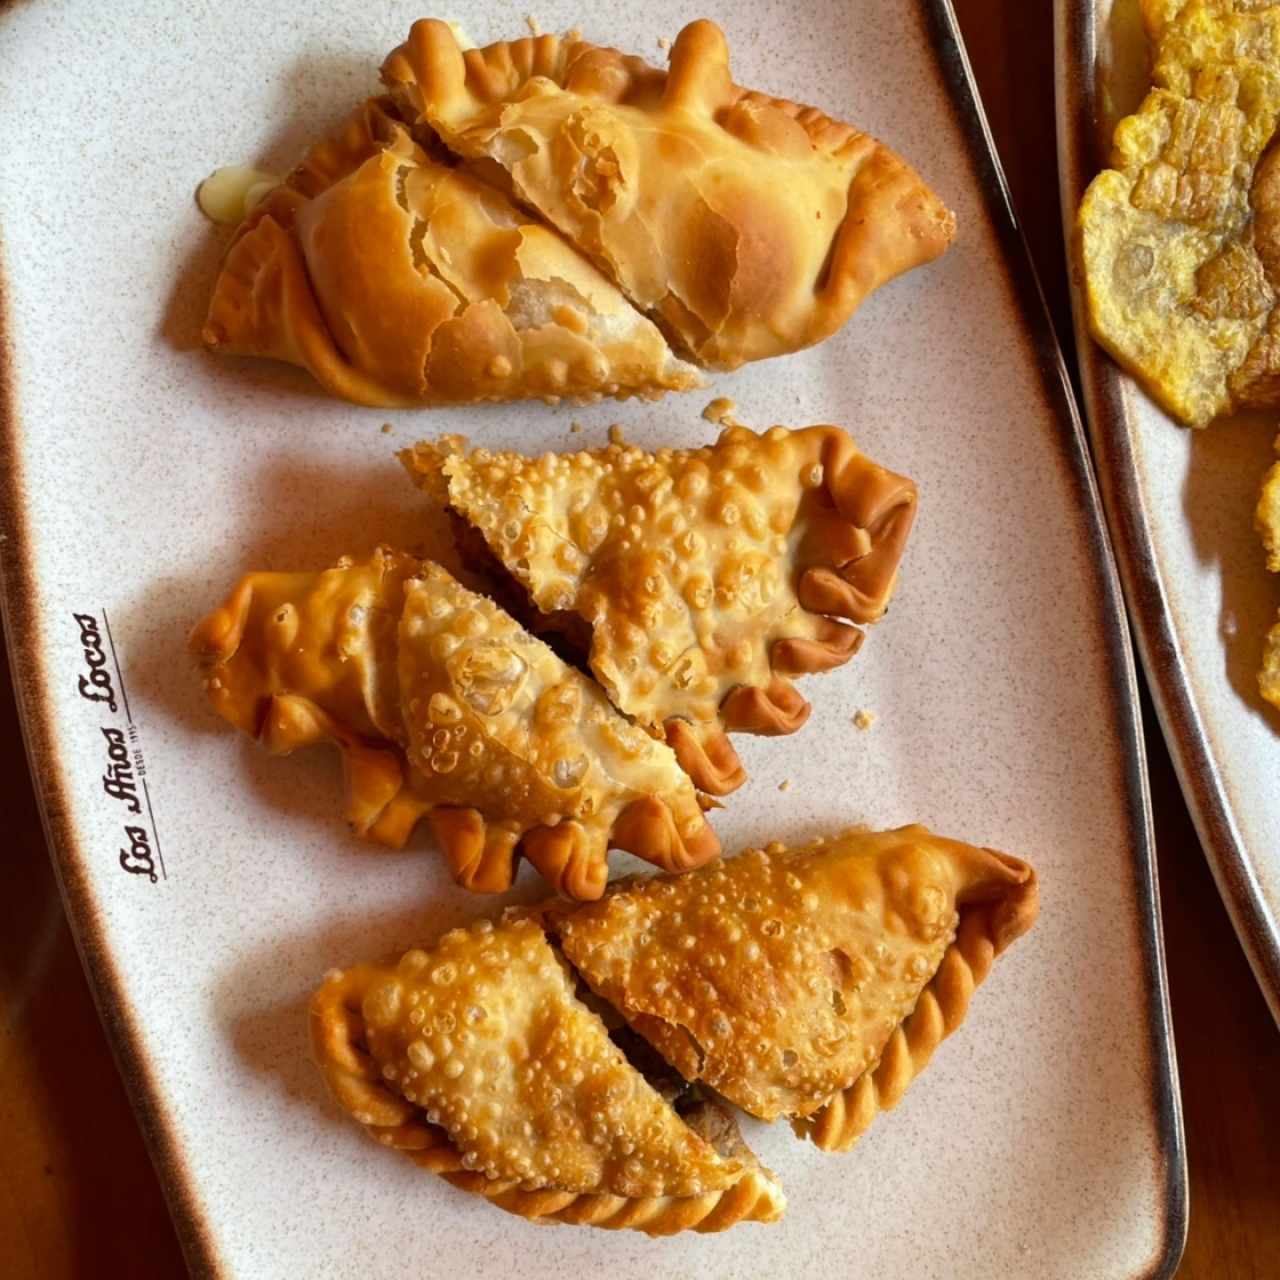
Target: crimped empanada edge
336 1028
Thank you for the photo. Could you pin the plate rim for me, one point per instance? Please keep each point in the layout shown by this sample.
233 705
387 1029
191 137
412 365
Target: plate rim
25 634
1108 394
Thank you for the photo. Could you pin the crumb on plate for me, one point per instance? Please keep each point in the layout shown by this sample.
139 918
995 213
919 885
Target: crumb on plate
864 718
720 411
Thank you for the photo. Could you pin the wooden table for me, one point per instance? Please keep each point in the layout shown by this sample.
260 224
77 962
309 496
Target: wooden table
77 1193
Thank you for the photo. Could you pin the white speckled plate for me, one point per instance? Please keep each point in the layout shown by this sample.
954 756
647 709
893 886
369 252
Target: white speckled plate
140 477
1181 507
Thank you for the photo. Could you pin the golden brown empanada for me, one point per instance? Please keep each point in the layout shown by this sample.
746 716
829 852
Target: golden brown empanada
706 577
476 1059
747 226
398 280
444 707
781 978
811 983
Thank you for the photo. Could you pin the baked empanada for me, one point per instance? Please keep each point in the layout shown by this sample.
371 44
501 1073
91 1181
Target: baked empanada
398 280
785 979
444 707
812 983
478 1061
746 226
705 577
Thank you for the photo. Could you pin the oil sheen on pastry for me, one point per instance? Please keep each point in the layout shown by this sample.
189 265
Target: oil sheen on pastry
784 978
706 578
747 226
445 708
476 1058
398 280
811 983
1180 238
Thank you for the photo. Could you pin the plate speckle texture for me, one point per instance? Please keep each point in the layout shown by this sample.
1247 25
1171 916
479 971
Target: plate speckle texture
1042 1140
1181 503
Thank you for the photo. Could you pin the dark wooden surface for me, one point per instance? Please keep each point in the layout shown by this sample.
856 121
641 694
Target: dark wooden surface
78 1197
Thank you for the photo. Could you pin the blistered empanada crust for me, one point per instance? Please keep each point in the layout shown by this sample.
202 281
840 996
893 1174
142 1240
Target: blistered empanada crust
397 280
476 1059
780 977
708 576
748 226
444 707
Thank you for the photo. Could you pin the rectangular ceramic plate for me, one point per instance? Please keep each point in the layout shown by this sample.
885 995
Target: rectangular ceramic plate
141 477
1180 505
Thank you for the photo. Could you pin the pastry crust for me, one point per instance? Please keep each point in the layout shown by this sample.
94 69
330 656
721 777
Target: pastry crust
984 931
747 226
811 983
782 977
708 577
398 281
476 1059
444 707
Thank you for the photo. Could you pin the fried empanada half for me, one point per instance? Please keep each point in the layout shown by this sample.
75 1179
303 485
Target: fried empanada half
746 226
781 978
708 577
475 1058
444 707
1180 238
398 281
1268 522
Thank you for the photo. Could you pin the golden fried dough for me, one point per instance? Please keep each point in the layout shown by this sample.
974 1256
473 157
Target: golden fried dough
398 280
747 226
444 708
706 578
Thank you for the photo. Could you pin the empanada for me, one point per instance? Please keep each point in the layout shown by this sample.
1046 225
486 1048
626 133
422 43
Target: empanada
476 1059
811 983
398 280
445 708
705 577
746 226
784 979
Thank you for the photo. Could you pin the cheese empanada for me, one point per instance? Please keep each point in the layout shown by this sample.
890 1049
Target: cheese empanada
398 280
706 578
444 707
746 226
477 1060
792 980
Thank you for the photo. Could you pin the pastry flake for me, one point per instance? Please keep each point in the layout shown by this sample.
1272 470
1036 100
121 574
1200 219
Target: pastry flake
444 708
747 226
1180 238
477 1060
706 578
783 978
398 280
